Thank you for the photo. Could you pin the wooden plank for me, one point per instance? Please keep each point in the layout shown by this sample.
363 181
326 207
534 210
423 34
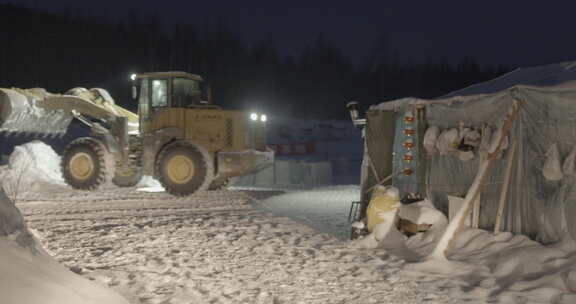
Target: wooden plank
505 186
476 211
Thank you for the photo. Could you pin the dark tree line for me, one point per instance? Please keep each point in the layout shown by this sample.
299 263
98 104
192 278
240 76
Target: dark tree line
62 51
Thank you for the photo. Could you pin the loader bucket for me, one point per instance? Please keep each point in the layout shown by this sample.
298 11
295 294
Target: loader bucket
20 114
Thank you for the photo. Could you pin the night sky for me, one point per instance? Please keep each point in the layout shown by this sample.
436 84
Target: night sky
517 33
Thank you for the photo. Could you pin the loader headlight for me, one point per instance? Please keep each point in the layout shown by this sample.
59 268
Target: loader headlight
133 77
258 117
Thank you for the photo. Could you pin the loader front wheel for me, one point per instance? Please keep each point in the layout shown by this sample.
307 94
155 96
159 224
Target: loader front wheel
183 168
86 164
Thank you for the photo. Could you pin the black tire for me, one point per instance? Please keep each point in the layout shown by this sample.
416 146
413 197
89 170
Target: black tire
86 165
219 183
183 168
129 178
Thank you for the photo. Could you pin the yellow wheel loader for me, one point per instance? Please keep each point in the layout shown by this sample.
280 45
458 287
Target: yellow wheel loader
178 135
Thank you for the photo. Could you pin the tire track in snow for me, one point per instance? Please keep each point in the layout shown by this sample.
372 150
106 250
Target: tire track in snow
213 247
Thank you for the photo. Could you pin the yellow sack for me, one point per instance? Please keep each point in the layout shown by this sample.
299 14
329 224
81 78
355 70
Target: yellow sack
384 199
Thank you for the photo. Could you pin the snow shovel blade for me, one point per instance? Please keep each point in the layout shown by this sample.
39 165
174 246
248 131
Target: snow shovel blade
20 115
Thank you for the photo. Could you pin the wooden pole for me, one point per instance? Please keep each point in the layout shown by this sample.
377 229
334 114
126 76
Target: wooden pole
476 204
505 186
373 167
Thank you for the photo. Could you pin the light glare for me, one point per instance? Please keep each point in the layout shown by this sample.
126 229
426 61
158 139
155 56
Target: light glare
263 118
254 116
133 77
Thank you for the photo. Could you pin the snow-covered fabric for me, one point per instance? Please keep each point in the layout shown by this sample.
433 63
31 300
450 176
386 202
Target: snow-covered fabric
568 167
552 169
430 138
448 141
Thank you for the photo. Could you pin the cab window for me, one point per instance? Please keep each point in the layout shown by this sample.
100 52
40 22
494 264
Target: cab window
143 98
159 93
186 92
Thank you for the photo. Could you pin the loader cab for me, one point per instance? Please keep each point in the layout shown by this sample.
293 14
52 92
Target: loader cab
162 90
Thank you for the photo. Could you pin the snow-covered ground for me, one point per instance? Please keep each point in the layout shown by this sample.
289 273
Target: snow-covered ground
246 246
325 209
215 247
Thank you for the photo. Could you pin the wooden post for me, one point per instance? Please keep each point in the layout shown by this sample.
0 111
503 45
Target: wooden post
506 184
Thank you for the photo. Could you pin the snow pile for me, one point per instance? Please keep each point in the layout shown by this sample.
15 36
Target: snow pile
148 181
30 276
149 184
491 267
503 268
392 239
31 167
423 212
487 267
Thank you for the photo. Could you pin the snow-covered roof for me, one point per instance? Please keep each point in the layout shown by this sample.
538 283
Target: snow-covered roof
552 77
545 75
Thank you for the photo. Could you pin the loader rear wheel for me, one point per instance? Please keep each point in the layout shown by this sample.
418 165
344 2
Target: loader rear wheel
182 168
86 164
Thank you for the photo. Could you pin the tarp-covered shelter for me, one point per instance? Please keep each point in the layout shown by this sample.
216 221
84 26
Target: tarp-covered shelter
540 200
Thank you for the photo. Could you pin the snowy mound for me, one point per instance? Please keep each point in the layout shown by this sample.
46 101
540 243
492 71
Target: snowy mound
149 184
30 276
32 166
503 268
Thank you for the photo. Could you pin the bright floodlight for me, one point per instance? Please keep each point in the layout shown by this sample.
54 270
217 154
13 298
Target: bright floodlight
263 118
133 77
254 116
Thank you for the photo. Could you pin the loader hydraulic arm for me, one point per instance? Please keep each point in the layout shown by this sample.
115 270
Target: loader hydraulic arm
77 106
